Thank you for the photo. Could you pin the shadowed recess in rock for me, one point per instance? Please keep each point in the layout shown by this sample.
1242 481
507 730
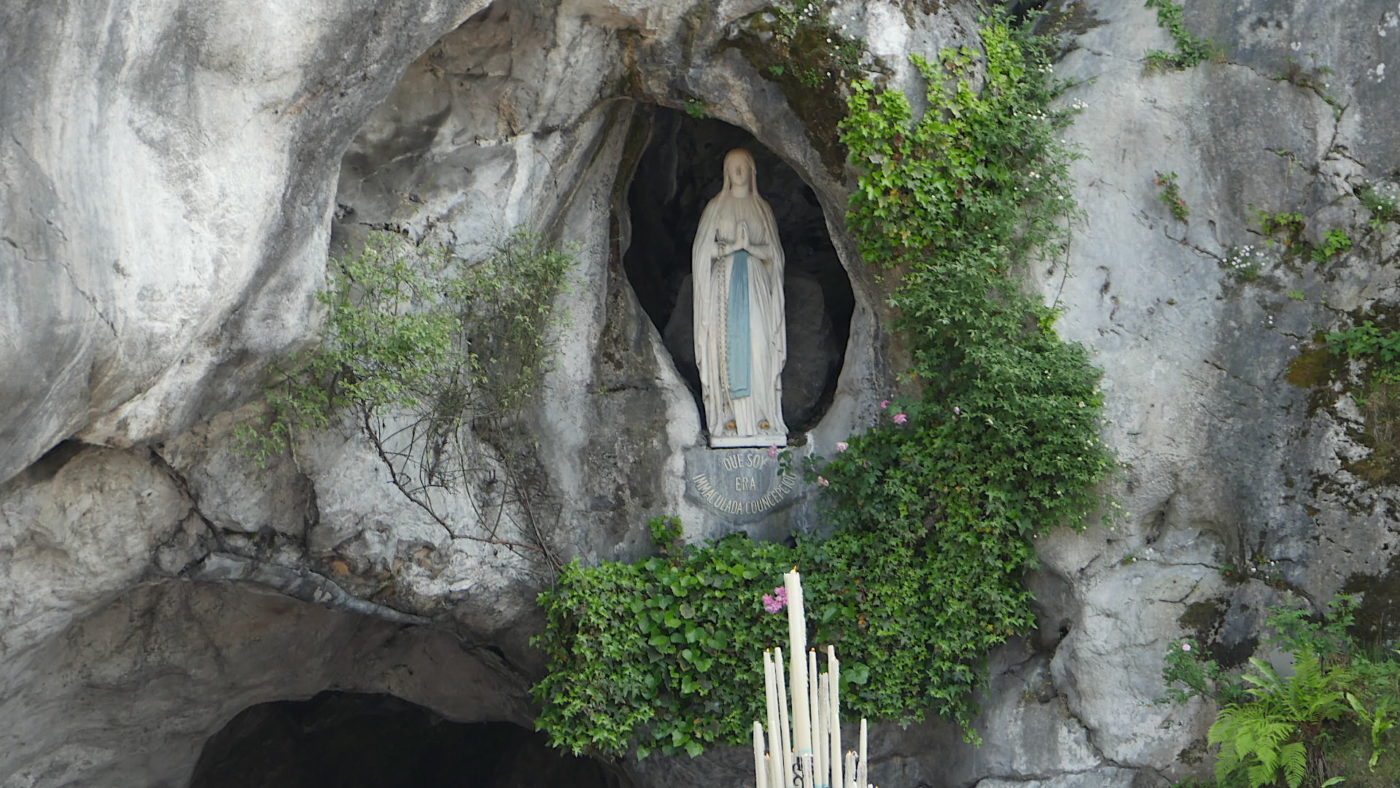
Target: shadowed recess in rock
679 171
350 740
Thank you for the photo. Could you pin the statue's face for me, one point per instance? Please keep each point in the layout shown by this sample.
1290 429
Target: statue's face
737 170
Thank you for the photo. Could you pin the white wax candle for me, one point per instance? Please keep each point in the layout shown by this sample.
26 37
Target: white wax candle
760 766
784 755
770 686
824 756
850 769
813 683
863 778
797 642
833 672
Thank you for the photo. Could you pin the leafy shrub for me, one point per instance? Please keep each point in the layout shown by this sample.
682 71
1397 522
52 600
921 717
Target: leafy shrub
1305 727
418 345
1369 343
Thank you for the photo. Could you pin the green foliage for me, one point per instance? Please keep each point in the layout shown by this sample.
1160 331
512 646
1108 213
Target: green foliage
1263 738
1245 263
934 507
1287 228
814 52
1189 673
696 109
1384 207
1288 224
1334 243
1191 49
410 329
1301 728
666 534
1367 342
416 346
1171 196
666 654
1378 396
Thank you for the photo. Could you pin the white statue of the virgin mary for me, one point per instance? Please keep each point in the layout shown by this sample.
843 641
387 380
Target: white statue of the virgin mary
740 337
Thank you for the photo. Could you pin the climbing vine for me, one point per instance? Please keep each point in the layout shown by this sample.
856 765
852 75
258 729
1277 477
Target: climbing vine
933 507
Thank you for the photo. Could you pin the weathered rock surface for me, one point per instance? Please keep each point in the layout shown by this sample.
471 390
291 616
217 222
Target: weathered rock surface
1234 490
169 181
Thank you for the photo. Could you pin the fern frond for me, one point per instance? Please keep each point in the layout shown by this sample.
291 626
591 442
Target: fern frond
1294 759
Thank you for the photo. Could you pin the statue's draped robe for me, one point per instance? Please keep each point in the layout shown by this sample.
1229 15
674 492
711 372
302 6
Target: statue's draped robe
756 409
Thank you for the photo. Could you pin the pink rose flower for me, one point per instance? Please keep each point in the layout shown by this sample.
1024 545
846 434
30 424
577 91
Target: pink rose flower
884 404
842 445
823 482
772 451
900 418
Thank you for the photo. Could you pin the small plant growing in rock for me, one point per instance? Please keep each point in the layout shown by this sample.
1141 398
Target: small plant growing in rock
819 52
1372 344
1245 263
1312 79
695 108
1191 49
1383 204
1285 227
1336 242
1171 196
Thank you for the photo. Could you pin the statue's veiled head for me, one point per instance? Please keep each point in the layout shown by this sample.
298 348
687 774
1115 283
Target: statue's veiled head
740 174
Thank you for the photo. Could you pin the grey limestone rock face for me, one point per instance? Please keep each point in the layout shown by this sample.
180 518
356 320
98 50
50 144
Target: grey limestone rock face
1235 491
170 182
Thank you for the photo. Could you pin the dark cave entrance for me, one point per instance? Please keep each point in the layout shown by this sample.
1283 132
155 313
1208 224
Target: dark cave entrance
676 175
349 740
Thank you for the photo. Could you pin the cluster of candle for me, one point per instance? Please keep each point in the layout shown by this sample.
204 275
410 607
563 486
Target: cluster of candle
801 745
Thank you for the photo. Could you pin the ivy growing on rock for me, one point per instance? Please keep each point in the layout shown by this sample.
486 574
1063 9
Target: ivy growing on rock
933 509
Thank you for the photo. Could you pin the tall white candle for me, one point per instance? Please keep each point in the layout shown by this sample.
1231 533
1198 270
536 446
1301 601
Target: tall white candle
770 686
863 778
833 672
824 730
812 684
797 642
850 769
784 754
760 766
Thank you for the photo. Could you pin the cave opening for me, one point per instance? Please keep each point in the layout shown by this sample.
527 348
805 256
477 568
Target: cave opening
677 173
353 740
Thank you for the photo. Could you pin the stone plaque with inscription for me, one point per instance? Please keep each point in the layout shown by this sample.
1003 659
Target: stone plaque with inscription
741 484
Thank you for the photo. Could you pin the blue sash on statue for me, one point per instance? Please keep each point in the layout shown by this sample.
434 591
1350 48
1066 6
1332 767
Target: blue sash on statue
738 350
